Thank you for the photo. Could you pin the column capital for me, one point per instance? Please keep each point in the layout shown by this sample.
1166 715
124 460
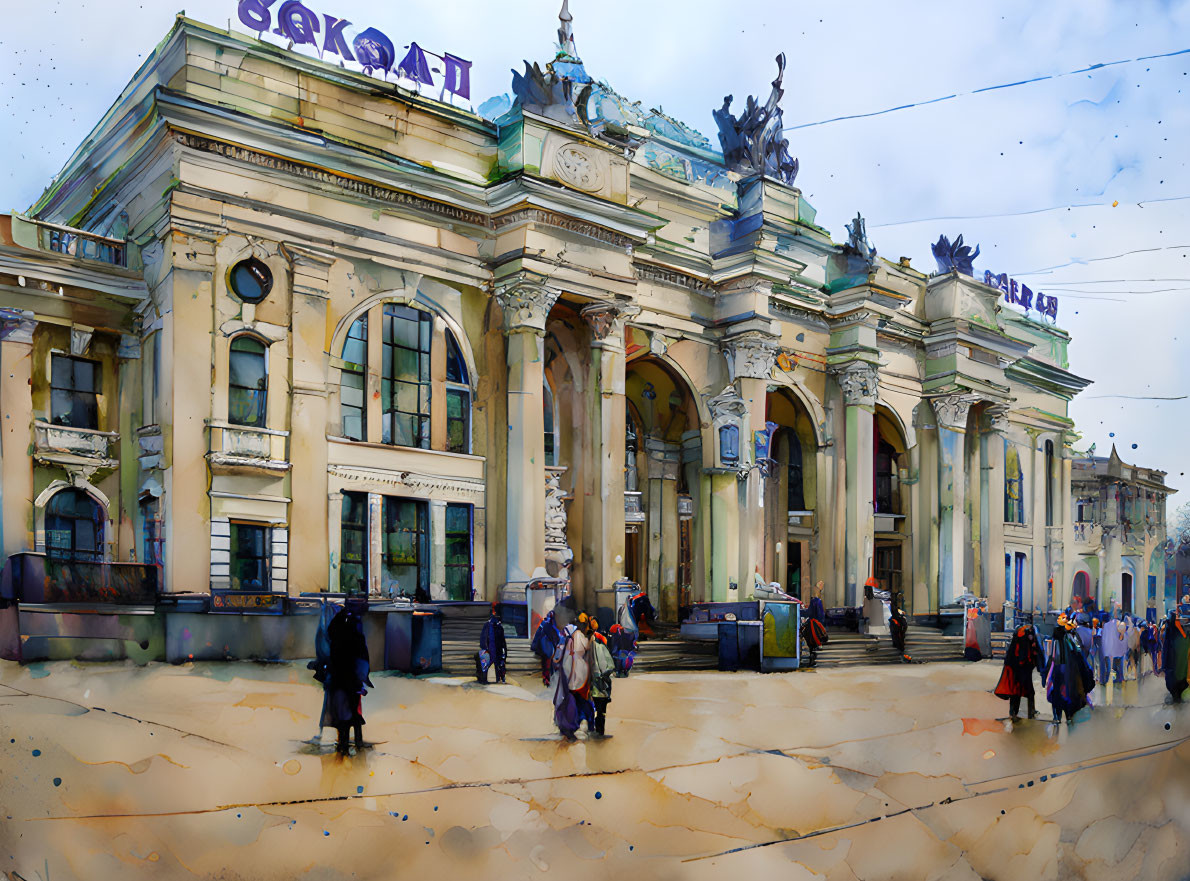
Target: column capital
750 355
607 320
16 325
997 417
952 410
858 381
525 301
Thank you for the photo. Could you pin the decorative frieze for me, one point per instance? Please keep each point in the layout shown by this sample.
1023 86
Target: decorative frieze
806 317
858 382
751 355
350 184
661 275
952 410
423 484
526 304
561 221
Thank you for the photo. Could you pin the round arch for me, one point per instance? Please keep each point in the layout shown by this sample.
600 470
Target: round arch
43 499
795 387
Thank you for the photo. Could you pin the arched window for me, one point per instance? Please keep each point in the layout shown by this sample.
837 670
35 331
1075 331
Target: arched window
405 376
73 526
353 407
796 494
551 436
247 393
458 399
1014 507
887 495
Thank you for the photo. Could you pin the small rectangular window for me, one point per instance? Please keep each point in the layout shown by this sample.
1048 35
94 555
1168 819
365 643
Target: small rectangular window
404 557
352 397
353 551
250 545
150 381
75 385
458 552
405 378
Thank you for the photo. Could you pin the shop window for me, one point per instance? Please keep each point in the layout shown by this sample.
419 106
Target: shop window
353 405
458 552
729 444
74 526
250 545
152 532
1014 486
247 392
405 377
353 546
404 556
458 399
75 385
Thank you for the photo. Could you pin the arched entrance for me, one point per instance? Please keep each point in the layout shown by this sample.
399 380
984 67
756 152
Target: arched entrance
890 502
791 490
1126 593
74 526
663 459
1082 588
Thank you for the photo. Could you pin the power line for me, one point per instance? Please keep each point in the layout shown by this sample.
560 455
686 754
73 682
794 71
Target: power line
1036 79
1022 213
1046 269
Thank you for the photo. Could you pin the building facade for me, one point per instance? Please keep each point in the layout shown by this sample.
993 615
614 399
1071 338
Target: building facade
341 336
1120 536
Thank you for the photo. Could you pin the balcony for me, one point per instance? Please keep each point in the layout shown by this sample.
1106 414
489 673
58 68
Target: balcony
632 509
35 578
240 449
77 243
64 445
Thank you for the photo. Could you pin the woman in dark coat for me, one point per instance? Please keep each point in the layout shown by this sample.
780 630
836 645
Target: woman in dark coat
1024 655
493 644
348 672
1068 677
898 626
1175 657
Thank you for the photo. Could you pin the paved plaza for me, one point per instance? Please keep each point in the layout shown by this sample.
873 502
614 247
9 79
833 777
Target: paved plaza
208 771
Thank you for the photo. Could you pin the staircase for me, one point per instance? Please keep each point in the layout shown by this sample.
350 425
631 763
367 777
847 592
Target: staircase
921 644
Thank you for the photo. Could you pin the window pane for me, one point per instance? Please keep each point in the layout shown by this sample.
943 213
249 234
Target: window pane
353 426
247 369
454 404
85 375
61 372
352 391
458 519
456 371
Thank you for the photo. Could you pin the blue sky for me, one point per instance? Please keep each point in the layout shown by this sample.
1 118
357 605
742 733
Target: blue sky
974 164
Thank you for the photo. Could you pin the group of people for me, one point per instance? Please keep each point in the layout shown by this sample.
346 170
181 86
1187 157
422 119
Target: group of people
1082 652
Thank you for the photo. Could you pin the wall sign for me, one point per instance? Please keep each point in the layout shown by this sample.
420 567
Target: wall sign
371 48
1021 295
228 601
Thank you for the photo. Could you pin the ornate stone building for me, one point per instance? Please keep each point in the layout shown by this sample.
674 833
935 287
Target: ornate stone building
377 343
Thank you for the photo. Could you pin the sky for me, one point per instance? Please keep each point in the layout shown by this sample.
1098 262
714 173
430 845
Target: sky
1075 183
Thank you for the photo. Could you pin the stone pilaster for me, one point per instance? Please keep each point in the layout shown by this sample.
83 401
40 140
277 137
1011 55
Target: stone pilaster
857 381
951 412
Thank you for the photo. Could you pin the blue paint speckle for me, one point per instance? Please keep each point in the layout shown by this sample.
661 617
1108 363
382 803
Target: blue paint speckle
435 807
1134 446
326 832
239 816
57 781
630 847
359 789
599 795
404 818
36 752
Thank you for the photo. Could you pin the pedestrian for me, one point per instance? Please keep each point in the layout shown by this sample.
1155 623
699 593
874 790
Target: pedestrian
1024 655
493 648
545 642
817 610
1155 646
1067 676
349 668
977 643
321 665
1132 642
572 685
1175 657
643 614
623 648
1099 661
602 670
898 626
1115 647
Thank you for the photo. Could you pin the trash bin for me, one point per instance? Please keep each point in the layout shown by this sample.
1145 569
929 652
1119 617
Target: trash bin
729 646
748 636
398 640
609 599
426 643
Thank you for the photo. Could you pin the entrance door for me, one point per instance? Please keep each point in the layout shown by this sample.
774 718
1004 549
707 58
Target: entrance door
888 567
793 568
1126 592
632 554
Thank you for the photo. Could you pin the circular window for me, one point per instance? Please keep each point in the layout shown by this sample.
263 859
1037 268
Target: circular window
251 280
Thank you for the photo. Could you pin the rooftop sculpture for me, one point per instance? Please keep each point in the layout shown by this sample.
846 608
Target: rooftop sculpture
954 256
752 143
857 239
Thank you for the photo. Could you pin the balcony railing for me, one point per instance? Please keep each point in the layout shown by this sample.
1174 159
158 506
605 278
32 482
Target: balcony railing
64 444
78 243
632 508
234 449
35 578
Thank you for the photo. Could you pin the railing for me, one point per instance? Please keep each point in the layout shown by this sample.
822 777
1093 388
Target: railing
35 578
243 448
50 439
77 243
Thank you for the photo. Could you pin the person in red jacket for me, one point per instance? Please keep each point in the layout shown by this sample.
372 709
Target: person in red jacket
1016 681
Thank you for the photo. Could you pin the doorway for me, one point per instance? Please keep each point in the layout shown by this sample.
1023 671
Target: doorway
632 555
1126 592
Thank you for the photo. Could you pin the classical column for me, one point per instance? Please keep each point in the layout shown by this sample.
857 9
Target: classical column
750 359
526 305
16 430
951 412
857 380
602 552
992 486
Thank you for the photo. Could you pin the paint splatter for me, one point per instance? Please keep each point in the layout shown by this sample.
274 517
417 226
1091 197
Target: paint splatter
981 726
599 795
57 781
36 753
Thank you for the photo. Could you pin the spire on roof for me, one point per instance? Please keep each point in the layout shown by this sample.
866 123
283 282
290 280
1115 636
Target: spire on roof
566 49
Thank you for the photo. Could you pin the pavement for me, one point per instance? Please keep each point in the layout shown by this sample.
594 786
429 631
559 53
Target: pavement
903 772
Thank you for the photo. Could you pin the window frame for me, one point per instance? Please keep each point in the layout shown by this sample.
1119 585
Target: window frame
263 388
1014 506
361 528
152 539
469 566
390 584
266 561
354 369
75 393
390 411
458 388
97 519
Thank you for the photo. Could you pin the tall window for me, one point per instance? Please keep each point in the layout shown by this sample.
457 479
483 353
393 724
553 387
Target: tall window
551 436
458 552
404 556
74 391
353 405
249 556
458 399
247 392
150 512
631 443
1049 483
405 378
73 526
887 495
1014 507
796 492
353 550
152 372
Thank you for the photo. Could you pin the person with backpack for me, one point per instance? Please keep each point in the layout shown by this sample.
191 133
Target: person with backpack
602 669
572 681
545 642
493 648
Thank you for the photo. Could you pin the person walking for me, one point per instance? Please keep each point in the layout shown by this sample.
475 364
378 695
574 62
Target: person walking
602 670
1175 657
493 648
348 671
321 665
1067 676
1024 655
572 686
898 626
545 642
1115 647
